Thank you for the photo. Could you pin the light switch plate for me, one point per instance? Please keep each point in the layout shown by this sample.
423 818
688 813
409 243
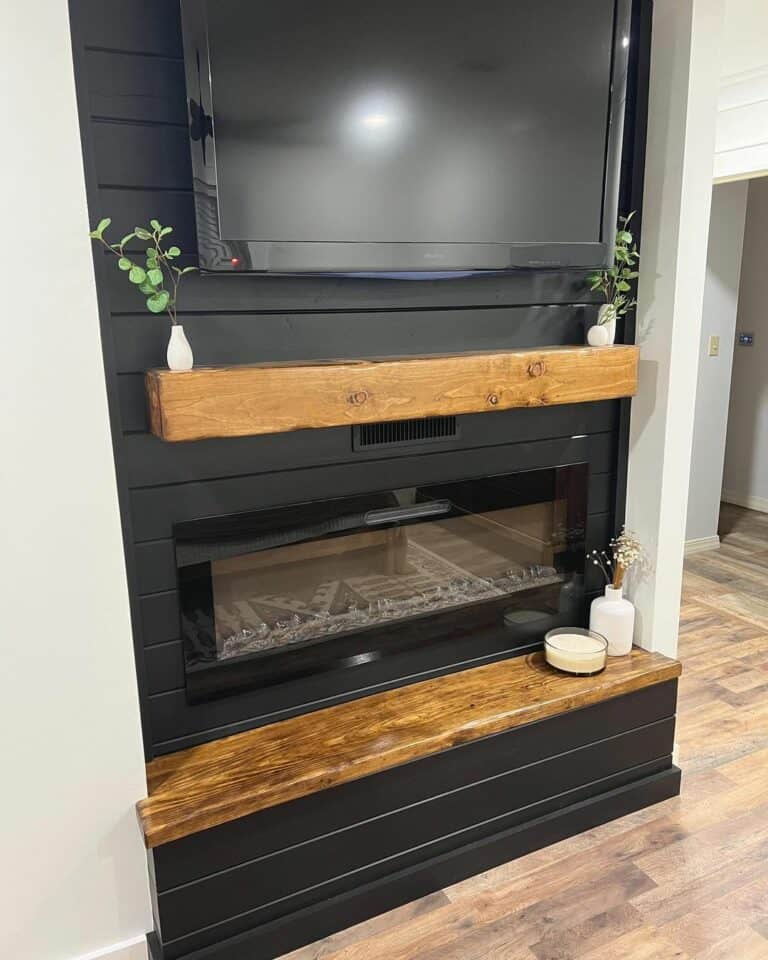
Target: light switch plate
714 346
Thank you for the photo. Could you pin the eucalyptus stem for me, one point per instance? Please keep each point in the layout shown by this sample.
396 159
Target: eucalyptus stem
159 279
617 281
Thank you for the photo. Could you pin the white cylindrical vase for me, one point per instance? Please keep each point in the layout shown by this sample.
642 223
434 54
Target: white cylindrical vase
603 333
606 317
613 617
179 353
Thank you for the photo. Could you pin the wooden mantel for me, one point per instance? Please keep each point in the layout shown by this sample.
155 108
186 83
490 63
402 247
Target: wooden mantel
212 784
244 400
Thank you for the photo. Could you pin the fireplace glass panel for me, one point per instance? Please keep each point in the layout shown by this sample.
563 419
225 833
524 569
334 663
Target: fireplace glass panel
342 583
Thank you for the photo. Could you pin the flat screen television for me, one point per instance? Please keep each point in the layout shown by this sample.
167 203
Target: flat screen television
412 136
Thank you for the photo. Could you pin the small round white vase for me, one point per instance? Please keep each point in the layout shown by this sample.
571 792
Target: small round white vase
597 336
179 353
613 617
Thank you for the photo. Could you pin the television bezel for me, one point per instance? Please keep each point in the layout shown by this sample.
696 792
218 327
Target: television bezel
218 254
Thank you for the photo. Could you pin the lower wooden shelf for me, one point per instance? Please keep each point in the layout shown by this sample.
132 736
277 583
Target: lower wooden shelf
278 397
209 785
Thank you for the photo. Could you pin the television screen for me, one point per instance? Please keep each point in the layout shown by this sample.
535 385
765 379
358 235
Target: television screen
419 135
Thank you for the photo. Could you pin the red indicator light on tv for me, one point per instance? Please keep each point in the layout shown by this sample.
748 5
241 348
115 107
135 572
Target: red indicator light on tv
235 261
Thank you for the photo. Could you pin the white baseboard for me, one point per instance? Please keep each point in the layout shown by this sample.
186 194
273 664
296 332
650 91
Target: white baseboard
133 949
744 500
701 545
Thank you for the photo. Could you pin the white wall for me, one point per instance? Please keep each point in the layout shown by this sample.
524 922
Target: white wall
73 867
721 295
745 479
678 185
741 146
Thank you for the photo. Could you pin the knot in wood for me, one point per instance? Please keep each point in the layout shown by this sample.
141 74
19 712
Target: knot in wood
537 368
358 397
493 399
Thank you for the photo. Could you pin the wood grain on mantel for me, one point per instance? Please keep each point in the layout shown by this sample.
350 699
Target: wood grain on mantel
278 397
212 784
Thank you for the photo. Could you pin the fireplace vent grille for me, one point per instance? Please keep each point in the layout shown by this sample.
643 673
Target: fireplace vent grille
402 432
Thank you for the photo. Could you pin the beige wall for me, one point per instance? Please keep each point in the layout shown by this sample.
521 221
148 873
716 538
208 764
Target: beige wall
73 874
745 478
721 295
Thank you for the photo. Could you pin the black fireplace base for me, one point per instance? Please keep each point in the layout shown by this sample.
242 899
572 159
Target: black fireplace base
279 879
313 923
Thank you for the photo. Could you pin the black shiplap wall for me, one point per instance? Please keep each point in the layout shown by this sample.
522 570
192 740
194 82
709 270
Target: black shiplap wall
129 72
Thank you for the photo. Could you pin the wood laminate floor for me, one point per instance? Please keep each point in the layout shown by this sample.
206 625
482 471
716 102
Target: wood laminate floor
687 878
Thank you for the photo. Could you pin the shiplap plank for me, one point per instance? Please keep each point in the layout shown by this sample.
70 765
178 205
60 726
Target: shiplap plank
156 509
144 26
129 87
216 292
141 339
127 208
149 461
164 665
160 617
155 566
132 401
141 155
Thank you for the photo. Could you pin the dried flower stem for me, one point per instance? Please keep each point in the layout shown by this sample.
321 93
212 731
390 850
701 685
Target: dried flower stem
622 554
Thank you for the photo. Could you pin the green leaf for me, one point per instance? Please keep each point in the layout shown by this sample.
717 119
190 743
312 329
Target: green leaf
155 276
173 252
126 238
147 287
623 286
100 227
142 233
166 230
137 275
155 225
124 263
158 301
188 270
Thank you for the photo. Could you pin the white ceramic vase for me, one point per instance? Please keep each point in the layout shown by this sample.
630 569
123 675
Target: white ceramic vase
179 354
613 617
603 332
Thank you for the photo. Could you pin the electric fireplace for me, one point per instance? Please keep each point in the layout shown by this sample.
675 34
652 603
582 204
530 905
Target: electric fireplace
453 573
